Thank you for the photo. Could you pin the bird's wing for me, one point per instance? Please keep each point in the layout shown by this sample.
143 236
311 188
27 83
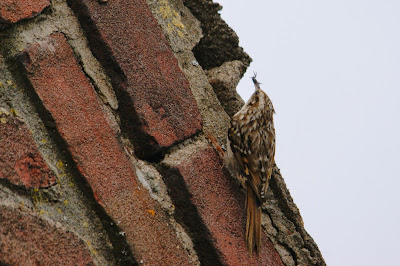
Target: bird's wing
249 152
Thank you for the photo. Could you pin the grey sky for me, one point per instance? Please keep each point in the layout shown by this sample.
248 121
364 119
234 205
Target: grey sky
332 70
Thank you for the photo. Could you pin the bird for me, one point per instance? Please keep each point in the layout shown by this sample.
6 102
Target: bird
250 155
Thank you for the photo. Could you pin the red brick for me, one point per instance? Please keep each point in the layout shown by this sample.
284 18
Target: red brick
20 160
77 111
28 240
12 11
156 103
219 205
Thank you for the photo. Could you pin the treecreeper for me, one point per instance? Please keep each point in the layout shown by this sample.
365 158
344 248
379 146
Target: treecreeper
250 156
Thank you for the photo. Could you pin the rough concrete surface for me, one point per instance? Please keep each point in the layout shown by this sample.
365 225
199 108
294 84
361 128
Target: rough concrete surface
109 111
220 43
224 80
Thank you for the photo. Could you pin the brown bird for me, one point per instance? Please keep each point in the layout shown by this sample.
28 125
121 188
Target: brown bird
250 153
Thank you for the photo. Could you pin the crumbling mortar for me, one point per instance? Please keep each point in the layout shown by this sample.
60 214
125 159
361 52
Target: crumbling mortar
273 239
112 105
152 180
280 237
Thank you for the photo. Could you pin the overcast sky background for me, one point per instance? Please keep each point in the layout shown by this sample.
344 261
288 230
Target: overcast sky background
332 70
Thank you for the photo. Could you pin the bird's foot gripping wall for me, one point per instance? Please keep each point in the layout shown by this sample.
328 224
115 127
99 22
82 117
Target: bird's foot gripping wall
105 109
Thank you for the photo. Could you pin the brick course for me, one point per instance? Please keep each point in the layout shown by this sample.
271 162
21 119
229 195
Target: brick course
156 103
218 215
72 101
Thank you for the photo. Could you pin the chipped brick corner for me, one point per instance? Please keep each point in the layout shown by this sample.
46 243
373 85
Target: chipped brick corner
13 11
107 109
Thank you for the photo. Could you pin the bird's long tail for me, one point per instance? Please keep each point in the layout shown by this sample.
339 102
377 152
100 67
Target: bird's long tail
253 224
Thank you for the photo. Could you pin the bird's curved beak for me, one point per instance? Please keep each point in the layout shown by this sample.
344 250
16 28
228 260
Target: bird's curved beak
256 83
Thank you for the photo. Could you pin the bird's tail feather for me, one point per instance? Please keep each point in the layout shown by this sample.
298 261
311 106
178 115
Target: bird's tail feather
253 224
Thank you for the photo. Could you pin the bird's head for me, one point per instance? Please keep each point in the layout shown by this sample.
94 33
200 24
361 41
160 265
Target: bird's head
259 99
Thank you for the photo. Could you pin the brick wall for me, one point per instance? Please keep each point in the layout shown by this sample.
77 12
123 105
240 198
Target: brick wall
106 108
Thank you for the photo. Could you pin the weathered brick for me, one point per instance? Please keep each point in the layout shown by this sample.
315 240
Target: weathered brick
212 207
68 96
20 161
26 239
12 11
156 103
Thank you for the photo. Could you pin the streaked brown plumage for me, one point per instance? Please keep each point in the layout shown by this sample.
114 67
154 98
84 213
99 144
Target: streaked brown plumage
251 151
